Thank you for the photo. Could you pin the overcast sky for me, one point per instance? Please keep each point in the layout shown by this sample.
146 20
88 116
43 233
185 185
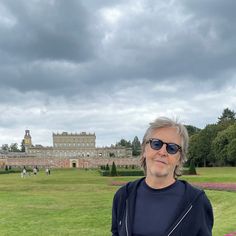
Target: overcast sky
111 67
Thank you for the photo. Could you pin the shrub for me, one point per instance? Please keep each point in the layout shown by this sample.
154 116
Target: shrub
192 169
104 172
107 167
113 169
10 171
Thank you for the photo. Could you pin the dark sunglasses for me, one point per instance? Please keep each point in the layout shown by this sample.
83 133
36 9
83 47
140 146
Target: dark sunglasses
156 144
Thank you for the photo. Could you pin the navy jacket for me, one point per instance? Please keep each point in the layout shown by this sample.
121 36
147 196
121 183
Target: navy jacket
196 218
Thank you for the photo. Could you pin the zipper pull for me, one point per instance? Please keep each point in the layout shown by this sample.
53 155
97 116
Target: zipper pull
120 223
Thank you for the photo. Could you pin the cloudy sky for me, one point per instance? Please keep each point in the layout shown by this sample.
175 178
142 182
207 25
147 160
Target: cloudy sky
111 67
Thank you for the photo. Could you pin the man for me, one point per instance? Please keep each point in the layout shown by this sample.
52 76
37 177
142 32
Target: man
159 204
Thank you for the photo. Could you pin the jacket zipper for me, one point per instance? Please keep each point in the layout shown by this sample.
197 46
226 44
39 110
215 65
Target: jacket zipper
126 219
180 220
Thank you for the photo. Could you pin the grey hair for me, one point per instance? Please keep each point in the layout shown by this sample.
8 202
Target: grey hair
163 122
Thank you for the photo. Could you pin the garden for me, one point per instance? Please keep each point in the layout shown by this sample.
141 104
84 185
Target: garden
78 202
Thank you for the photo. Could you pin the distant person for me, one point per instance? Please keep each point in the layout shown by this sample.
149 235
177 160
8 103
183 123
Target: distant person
159 204
35 171
24 172
48 172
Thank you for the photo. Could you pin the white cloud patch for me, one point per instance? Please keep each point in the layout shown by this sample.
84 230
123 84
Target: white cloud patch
111 15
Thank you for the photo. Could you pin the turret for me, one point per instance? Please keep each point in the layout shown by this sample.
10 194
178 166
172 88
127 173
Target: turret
27 140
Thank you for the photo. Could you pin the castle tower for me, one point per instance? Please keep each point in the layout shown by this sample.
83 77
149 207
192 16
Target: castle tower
27 140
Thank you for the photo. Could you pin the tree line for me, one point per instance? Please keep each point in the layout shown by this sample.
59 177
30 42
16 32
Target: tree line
14 147
135 145
215 145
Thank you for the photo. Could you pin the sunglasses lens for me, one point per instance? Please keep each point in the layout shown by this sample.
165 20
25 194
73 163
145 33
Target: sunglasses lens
172 148
156 144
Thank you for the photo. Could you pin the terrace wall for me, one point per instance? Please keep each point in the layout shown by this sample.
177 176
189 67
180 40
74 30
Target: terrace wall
69 162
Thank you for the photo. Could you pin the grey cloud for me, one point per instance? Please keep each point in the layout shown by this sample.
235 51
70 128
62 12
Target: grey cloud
54 30
144 45
211 9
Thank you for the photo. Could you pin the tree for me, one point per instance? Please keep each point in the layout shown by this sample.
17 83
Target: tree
200 145
192 130
219 146
194 149
221 142
5 147
136 147
113 169
14 147
227 117
22 146
232 152
124 143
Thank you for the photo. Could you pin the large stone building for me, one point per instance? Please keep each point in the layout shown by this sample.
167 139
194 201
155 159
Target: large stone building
74 145
69 150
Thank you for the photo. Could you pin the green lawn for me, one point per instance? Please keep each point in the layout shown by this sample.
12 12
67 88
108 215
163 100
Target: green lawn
78 202
217 174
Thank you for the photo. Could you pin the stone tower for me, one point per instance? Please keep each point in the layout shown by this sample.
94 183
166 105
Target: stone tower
27 140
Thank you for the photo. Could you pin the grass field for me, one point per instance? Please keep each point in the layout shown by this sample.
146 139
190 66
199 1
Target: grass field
78 202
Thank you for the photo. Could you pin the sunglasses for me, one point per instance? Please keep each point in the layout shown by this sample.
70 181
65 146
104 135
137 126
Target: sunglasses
156 144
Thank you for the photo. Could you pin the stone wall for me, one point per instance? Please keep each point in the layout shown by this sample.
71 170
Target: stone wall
69 162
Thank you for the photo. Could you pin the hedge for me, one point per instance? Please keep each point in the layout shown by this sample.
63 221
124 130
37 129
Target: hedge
123 172
9 171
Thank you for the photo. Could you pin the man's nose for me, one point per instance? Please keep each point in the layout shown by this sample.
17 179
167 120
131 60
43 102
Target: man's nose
163 151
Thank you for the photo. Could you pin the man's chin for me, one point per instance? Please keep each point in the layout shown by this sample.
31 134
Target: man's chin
159 173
